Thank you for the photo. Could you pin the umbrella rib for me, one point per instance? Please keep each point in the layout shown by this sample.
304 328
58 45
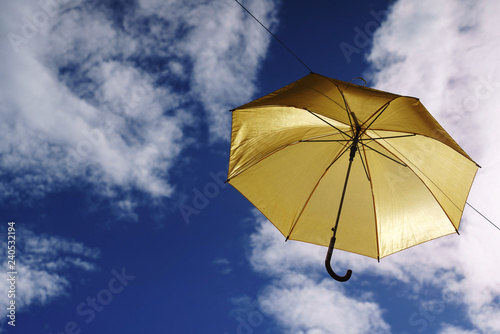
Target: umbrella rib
374 207
384 108
244 169
401 154
363 163
347 108
337 158
385 155
313 139
345 101
324 141
292 227
333 126
307 140
328 97
390 137
444 193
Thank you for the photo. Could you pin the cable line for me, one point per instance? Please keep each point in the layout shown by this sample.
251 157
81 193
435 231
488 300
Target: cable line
482 215
269 31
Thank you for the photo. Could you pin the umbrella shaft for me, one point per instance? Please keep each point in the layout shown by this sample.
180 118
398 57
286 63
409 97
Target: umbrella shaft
354 147
342 198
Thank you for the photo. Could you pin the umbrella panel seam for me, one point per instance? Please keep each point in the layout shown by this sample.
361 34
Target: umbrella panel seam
430 191
294 224
373 203
245 167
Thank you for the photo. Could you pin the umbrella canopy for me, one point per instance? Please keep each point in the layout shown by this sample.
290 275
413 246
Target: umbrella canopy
292 152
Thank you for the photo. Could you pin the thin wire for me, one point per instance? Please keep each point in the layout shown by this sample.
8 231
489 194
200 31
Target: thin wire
482 215
274 36
288 49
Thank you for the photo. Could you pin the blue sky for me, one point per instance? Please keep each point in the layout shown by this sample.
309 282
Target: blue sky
115 129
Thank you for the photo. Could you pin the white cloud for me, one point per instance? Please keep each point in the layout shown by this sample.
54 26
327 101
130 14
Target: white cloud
299 298
307 306
221 85
447 54
44 265
95 95
455 330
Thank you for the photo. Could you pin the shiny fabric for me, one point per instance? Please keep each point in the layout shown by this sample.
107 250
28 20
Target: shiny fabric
289 155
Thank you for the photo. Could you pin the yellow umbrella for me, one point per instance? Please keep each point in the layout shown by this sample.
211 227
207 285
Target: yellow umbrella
292 153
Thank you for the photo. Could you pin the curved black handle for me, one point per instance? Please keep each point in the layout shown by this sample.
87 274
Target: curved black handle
329 267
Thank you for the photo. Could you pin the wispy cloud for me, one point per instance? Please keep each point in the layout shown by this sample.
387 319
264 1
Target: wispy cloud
45 265
224 265
103 95
455 330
